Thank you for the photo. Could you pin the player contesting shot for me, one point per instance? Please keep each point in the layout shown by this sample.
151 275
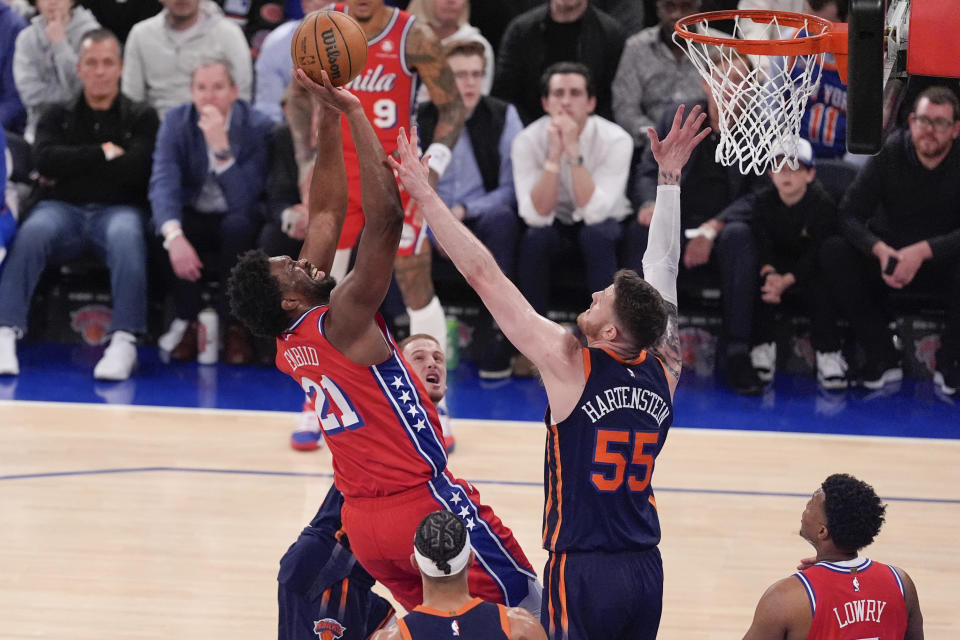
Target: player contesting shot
610 405
377 417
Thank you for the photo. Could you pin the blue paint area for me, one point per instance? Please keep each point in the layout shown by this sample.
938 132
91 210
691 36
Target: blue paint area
56 372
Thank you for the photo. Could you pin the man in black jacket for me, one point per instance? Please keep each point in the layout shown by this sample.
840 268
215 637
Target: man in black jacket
558 31
95 156
901 225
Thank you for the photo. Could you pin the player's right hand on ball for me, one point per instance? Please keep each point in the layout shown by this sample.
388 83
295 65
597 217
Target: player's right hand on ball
328 95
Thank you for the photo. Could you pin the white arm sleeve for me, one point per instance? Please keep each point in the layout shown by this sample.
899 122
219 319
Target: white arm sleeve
661 260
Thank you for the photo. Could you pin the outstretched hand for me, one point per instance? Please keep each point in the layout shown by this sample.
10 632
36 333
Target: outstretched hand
412 170
327 95
673 151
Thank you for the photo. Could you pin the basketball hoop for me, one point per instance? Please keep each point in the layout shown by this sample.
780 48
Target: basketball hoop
761 87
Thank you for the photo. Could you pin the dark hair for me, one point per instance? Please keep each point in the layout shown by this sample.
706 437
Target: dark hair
255 296
99 35
854 511
417 336
566 67
842 8
939 94
466 48
440 537
639 309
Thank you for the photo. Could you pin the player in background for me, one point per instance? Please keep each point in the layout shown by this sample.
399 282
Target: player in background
378 420
400 52
441 552
839 595
321 586
610 406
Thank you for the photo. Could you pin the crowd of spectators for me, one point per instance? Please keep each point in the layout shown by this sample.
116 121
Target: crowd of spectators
162 122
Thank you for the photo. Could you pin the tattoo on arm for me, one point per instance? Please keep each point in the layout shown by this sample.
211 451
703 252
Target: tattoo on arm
426 55
668 177
668 349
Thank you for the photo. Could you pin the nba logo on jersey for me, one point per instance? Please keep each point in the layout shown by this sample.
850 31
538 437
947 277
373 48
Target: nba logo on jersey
856 584
328 629
455 628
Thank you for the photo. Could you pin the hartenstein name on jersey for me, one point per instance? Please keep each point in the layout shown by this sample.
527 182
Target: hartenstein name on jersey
859 611
374 80
627 398
301 357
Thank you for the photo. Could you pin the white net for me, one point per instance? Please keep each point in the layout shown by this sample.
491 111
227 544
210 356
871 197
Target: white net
760 99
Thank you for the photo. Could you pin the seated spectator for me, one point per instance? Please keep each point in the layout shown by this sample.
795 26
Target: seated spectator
120 15
208 174
653 73
449 21
706 189
478 183
45 57
558 31
162 51
12 114
275 66
491 17
95 155
901 232
257 18
570 169
285 226
791 219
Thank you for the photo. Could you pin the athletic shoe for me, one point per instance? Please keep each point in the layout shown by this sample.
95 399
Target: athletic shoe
308 436
877 374
169 341
742 377
947 380
831 370
764 360
9 366
119 359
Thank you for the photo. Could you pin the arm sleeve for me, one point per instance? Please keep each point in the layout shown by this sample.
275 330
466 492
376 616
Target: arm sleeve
860 202
243 182
133 167
662 257
165 180
55 159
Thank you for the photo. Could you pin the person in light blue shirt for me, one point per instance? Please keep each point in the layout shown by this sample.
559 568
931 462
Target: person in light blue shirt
478 183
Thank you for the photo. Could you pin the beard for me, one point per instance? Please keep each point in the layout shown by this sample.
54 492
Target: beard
318 291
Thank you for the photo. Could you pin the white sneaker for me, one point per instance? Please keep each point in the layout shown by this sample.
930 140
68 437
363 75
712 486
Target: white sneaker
8 352
169 341
763 357
119 359
831 370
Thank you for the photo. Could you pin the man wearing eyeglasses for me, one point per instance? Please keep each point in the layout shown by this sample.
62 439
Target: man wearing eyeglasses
478 183
900 220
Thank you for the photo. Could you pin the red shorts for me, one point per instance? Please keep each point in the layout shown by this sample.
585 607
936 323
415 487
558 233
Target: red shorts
414 227
381 532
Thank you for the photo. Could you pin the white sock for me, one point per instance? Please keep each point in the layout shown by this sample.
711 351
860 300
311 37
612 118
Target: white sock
341 262
431 321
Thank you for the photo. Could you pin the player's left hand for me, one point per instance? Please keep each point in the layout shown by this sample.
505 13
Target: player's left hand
673 151
412 170
328 96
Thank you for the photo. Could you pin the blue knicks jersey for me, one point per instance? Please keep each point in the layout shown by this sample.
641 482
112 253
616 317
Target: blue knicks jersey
599 461
476 620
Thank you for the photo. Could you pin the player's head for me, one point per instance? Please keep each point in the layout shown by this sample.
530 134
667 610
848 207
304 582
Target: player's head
630 311
426 357
792 184
844 512
567 88
468 64
212 83
441 549
267 293
935 122
364 10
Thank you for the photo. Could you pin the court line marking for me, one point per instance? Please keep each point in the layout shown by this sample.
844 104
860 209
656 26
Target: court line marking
771 433
508 483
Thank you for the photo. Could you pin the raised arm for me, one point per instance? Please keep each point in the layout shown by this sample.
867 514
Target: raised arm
662 257
426 55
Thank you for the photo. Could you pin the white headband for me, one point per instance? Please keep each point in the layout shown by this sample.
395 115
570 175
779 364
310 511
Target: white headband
457 563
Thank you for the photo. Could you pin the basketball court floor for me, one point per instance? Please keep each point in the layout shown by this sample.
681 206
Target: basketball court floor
159 508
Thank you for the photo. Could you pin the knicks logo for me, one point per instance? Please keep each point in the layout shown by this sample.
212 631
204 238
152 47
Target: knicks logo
328 629
91 322
925 351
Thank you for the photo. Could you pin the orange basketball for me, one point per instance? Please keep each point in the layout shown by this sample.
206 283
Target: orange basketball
329 41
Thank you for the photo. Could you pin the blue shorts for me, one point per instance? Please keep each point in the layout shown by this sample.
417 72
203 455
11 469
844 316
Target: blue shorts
596 595
324 593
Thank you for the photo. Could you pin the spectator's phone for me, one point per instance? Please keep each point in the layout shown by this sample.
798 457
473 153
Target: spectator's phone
890 266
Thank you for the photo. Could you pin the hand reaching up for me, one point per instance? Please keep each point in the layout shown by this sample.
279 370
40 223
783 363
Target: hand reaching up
412 170
326 95
674 150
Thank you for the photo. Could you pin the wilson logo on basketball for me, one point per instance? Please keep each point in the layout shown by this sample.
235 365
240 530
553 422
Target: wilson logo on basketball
329 40
328 629
91 322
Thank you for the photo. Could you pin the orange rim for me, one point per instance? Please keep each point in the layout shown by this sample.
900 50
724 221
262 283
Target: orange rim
832 39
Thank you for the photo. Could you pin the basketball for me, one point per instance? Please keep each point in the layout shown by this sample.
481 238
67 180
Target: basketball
329 41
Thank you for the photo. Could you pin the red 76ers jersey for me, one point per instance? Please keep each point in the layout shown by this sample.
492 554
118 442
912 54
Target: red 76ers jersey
378 421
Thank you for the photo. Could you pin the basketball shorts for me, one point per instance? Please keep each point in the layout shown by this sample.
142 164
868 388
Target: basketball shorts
381 532
324 593
414 226
596 595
